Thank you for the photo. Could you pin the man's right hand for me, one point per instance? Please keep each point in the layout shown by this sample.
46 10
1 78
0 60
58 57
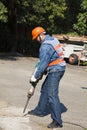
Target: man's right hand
33 79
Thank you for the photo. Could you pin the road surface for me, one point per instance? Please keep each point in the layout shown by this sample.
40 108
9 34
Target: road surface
15 73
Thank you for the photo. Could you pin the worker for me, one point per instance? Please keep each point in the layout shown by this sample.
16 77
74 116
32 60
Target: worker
51 60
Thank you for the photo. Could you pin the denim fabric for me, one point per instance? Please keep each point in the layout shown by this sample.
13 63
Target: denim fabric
46 55
49 102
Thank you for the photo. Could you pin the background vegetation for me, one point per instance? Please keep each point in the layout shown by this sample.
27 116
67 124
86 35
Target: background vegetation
19 17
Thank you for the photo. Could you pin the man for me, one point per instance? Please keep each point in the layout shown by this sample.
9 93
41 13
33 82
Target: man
51 60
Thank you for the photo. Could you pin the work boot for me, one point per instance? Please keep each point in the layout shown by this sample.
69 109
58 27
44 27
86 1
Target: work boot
54 124
32 112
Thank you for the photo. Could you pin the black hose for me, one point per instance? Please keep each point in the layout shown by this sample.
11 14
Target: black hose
74 124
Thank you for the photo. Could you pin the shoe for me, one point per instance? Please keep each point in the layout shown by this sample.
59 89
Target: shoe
54 124
32 112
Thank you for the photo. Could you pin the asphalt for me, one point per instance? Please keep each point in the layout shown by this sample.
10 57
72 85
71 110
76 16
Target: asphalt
14 84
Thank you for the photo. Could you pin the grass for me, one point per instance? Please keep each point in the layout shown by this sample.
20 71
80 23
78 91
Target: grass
85 63
73 34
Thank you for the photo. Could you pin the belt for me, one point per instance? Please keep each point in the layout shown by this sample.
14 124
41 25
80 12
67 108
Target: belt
56 62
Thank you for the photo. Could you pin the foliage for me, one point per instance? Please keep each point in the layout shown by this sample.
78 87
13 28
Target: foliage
41 13
19 17
23 15
81 25
73 7
72 34
3 11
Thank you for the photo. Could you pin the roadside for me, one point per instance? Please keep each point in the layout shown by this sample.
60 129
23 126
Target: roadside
14 84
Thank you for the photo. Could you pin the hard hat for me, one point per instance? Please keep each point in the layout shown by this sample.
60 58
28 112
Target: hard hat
36 31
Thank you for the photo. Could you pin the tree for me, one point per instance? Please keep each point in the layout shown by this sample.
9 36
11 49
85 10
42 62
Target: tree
81 25
33 13
73 7
23 15
41 13
49 14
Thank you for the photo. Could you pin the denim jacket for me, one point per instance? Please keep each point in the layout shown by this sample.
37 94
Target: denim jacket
46 55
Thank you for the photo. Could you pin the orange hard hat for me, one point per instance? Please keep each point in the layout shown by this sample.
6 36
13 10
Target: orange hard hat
37 31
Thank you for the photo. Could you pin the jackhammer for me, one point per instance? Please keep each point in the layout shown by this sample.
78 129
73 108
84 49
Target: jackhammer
29 95
32 89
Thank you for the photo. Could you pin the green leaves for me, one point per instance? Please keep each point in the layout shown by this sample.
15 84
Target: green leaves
84 5
81 25
54 15
3 11
47 11
34 13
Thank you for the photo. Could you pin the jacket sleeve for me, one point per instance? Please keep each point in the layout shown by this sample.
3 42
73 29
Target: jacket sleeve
45 54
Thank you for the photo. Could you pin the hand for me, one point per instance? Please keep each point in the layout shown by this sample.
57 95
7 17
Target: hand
33 79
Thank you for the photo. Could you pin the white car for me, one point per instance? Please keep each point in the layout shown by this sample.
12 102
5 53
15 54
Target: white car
74 52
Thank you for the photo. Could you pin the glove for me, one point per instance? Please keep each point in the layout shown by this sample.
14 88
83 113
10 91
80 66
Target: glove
31 91
33 79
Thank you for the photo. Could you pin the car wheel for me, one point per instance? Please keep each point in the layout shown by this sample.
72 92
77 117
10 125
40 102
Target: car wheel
73 59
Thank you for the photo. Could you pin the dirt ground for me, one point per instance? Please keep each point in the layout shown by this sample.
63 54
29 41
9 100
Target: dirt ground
15 73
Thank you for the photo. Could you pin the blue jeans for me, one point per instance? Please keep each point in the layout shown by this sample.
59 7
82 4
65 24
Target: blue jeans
49 102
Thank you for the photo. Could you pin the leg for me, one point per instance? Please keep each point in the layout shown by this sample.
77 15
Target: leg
43 104
53 86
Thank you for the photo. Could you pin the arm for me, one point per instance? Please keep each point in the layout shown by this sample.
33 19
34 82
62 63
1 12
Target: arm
46 52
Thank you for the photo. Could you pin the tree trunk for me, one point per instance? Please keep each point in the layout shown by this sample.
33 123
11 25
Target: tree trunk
12 22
